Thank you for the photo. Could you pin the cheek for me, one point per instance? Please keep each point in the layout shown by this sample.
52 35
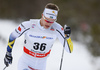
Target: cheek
50 24
44 23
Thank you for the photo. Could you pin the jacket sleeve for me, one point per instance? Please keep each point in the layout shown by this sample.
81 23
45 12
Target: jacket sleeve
60 34
20 30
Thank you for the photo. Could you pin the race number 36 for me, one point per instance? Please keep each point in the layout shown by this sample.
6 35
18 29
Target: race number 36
41 46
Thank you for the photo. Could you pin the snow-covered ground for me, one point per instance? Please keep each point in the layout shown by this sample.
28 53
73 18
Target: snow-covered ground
80 59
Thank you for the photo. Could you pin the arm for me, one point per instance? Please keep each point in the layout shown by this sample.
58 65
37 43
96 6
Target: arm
20 30
61 36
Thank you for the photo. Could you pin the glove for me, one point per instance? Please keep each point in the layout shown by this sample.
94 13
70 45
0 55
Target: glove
8 59
67 31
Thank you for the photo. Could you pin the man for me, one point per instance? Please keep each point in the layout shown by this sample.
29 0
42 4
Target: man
40 35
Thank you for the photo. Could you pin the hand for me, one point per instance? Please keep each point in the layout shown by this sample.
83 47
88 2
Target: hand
67 31
8 59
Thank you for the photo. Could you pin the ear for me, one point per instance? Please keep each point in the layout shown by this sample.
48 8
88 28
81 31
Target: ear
42 14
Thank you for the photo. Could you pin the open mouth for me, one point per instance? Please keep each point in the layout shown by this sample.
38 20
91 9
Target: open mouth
47 26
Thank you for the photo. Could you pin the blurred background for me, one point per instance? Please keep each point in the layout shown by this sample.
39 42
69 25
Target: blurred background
83 16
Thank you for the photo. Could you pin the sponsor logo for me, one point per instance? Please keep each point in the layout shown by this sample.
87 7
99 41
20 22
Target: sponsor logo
62 29
42 37
52 29
54 13
51 17
33 25
50 14
19 28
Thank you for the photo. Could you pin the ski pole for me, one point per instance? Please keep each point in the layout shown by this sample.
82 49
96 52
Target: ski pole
62 54
63 50
4 67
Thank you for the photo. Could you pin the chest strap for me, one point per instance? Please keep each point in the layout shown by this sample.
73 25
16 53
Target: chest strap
38 55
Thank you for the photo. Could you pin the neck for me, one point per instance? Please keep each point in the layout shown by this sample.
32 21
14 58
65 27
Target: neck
41 23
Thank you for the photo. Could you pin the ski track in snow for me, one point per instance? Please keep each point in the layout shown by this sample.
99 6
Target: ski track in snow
79 59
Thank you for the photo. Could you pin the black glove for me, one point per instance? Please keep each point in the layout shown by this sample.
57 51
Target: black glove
8 59
67 31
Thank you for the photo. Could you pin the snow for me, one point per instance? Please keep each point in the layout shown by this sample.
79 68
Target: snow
79 59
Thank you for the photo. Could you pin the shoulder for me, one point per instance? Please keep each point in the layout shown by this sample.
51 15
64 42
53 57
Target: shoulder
34 21
28 24
57 26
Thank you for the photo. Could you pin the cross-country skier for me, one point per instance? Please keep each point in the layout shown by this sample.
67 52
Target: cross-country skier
40 35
